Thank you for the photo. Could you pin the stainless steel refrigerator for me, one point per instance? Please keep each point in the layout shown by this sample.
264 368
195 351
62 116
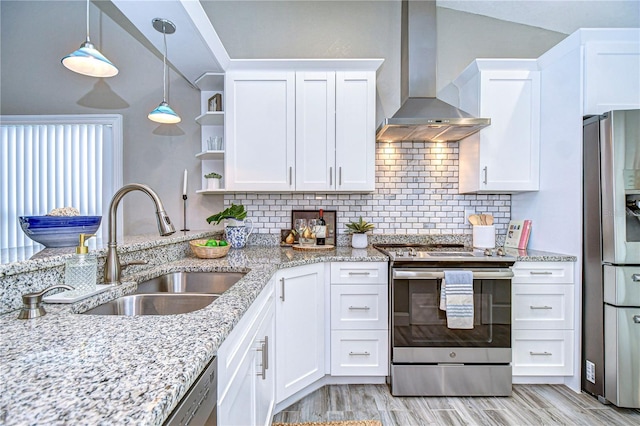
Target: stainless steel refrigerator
611 258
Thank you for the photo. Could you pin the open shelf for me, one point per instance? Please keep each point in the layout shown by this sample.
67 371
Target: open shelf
211 118
210 155
210 81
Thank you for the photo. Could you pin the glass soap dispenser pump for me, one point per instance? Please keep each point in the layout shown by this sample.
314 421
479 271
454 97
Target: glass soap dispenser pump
81 269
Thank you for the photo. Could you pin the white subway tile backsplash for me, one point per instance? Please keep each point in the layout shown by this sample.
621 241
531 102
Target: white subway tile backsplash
416 193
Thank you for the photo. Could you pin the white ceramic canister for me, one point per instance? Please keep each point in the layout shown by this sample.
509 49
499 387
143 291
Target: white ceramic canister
484 236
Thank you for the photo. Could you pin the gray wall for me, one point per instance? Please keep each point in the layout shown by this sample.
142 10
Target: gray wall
36 35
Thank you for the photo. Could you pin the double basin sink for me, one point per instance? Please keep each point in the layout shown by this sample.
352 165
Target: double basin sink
174 293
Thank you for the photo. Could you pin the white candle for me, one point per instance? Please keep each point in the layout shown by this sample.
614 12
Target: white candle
184 185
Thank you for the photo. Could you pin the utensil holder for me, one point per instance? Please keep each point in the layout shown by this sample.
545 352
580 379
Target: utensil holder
484 236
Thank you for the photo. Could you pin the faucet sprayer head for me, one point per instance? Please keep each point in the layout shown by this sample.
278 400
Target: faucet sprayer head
165 227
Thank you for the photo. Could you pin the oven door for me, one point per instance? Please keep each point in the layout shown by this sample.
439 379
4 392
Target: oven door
419 328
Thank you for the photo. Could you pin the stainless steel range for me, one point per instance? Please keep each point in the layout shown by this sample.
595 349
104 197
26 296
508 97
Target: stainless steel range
427 357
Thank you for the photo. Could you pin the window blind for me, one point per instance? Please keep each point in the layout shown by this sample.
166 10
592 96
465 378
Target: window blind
57 161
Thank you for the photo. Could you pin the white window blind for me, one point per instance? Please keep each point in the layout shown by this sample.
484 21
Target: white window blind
57 161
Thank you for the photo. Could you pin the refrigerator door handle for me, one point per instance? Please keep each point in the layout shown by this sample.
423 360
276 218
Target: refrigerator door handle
636 319
635 277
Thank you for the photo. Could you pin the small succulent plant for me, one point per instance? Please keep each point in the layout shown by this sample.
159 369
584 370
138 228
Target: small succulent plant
359 227
213 175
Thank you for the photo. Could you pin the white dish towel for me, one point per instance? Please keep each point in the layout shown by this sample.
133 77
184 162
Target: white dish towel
456 298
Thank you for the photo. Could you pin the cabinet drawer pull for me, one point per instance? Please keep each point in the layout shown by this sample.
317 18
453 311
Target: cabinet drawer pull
636 319
540 307
635 277
545 353
282 288
540 273
359 353
359 308
366 273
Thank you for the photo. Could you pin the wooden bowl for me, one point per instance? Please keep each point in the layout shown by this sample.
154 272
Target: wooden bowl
204 252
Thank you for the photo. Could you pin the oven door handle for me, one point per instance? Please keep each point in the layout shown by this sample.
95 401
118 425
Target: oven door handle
417 274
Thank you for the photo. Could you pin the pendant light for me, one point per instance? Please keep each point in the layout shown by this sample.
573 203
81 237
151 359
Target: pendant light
163 113
87 60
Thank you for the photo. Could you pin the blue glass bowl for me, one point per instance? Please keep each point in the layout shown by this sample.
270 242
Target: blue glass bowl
58 231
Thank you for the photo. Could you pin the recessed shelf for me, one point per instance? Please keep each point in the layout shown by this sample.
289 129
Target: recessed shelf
211 118
210 81
211 191
210 155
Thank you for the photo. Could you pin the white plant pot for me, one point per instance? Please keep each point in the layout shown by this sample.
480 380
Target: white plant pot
359 241
213 183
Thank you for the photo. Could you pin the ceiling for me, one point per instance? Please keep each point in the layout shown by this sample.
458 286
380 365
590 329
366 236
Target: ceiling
206 51
560 16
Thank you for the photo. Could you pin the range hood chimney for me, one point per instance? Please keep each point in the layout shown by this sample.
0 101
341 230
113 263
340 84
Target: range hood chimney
423 117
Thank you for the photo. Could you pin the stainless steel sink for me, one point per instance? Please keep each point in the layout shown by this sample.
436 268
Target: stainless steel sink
190 282
154 304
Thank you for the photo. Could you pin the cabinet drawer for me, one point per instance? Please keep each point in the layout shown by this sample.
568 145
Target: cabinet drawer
542 306
359 353
359 307
359 273
542 353
543 273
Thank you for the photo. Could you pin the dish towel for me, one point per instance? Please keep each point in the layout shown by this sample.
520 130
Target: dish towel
456 298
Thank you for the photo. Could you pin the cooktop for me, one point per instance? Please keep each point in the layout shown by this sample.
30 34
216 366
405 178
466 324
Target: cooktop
429 253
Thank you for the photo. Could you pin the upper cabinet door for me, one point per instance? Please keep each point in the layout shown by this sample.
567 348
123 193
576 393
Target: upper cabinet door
504 157
355 130
260 131
611 81
315 131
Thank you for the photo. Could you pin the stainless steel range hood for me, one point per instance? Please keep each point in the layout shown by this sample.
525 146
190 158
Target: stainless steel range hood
423 117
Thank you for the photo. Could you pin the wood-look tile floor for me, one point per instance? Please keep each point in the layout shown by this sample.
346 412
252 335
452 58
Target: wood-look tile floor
528 405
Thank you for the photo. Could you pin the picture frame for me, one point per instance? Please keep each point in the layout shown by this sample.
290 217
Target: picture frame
329 217
215 103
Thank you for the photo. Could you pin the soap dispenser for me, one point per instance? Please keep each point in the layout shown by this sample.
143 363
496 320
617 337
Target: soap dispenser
81 269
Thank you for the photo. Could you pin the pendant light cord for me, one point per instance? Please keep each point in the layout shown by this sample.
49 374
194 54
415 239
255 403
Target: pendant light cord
88 22
164 63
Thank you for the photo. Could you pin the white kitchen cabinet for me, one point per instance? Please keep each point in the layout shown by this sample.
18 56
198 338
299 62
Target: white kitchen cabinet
355 130
300 130
315 131
300 328
542 319
246 374
504 157
359 319
211 126
611 70
260 130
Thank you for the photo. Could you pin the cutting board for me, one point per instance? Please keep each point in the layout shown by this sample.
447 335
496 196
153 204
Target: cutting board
314 248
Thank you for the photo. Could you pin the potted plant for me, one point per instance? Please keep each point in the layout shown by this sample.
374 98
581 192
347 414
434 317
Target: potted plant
236 226
358 231
213 180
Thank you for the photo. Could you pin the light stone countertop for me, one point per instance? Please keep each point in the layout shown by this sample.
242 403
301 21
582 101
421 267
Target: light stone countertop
66 368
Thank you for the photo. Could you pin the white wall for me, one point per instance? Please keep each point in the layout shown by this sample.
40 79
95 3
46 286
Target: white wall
36 35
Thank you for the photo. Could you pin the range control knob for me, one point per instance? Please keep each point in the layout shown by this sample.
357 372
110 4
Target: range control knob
452 355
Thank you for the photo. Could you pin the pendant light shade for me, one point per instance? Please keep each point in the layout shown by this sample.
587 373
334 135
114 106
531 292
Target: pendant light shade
163 113
87 60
